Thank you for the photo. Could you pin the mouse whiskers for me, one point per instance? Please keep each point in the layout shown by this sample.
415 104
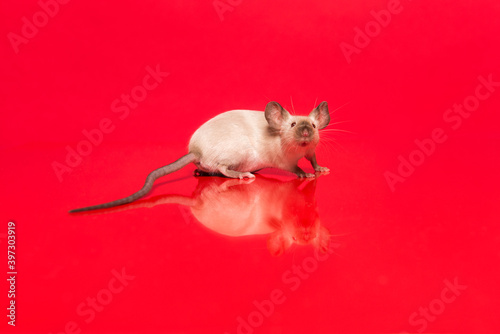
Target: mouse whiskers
293 108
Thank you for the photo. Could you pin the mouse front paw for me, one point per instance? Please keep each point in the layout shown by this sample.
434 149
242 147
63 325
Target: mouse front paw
303 175
322 169
300 173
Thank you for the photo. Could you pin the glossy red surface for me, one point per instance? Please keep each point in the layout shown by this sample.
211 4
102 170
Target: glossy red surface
401 236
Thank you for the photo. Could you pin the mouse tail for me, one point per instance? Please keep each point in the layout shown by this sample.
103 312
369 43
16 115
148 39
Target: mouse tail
157 173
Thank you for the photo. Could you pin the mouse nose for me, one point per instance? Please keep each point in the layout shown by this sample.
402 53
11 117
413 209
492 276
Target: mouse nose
305 133
306 236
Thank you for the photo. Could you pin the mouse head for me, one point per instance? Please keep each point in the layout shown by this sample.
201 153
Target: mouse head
299 131
299 222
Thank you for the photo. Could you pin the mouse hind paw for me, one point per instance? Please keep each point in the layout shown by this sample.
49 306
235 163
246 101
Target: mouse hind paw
246 175
224 170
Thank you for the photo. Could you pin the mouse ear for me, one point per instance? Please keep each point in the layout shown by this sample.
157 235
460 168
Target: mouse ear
278 243
322 240
321 115
275 115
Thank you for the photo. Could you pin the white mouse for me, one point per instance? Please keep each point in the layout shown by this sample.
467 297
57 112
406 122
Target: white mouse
237 143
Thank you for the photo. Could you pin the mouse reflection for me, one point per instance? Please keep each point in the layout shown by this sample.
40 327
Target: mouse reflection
286 210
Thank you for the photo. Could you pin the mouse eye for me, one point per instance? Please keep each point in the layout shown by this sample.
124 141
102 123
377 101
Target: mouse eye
293 124
314 125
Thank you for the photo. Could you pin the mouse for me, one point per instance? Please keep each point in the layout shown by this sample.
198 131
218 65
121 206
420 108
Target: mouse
238 143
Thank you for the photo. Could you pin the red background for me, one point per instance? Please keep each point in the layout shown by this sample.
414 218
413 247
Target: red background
396 248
